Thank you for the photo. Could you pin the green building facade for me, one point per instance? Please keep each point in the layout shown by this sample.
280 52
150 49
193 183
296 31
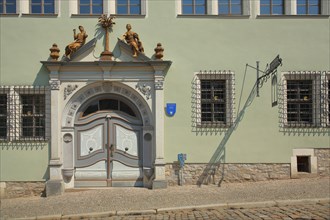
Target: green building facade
83 120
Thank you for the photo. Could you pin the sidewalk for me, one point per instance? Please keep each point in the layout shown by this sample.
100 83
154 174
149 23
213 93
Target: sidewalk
118 201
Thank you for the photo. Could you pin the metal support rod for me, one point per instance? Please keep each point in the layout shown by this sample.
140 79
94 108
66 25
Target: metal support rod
258 79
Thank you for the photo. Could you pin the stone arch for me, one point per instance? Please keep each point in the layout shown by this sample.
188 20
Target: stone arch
97 88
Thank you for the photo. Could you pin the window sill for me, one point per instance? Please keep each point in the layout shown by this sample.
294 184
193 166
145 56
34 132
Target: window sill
40 15
86 15
9 15
129 16
99 15
215 16
291 16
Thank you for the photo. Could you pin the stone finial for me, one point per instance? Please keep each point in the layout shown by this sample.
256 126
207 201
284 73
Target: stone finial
54 52
159 51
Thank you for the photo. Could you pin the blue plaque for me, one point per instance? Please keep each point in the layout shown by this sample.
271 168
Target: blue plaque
170 109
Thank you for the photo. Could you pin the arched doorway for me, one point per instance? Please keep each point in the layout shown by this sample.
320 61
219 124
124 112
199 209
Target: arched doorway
108 148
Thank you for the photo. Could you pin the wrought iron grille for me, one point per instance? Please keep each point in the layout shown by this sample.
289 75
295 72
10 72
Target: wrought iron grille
213 100
304 99
24 113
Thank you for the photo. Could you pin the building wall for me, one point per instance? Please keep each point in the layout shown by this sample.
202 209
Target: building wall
193 44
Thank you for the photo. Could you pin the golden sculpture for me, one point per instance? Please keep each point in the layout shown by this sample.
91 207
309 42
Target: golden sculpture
133 40
54 52
79 40
106 23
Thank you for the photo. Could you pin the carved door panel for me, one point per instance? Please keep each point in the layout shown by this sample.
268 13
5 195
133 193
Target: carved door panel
108 152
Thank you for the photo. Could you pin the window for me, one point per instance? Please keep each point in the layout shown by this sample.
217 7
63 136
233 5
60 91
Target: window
271 7
213 99
194 7
230 7
3 116
24 115
8 6
108 105
300 102
90 7
308 7
303 164
128 7
33 115
42 7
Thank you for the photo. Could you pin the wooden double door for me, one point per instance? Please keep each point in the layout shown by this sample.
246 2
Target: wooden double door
108 150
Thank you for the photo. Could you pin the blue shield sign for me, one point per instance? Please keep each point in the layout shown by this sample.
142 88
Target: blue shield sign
170 109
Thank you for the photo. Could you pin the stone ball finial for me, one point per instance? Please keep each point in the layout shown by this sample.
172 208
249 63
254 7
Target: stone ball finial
54 52
159 51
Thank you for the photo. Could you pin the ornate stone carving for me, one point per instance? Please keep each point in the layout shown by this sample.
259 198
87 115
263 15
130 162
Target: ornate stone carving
54 52
159 84
144 89
54 84
69 89
106 23
133 40
79 41
67 138
159 51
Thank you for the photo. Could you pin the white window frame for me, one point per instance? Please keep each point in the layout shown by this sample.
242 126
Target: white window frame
109 8
290 8
229 76
315 76
25 7
212 8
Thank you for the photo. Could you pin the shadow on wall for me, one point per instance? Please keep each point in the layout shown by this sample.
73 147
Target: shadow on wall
217 161
42 78
35 145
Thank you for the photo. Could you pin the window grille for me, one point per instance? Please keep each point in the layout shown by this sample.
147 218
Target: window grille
303 100
213 100
24 113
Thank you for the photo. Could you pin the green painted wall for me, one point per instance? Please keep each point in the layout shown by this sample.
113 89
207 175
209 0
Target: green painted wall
24 161
193 44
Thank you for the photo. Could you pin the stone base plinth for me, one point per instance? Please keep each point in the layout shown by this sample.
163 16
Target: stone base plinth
54 187
159 184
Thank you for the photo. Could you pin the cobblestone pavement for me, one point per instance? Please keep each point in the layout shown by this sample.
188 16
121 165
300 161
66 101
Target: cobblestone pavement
317 211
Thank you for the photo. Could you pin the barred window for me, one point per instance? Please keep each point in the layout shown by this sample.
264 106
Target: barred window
300 102
213 99
328 110
308 7
42 6
24 113
33 115
194 7
91 7
3 116
230 7
7 6
129 7
271 7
